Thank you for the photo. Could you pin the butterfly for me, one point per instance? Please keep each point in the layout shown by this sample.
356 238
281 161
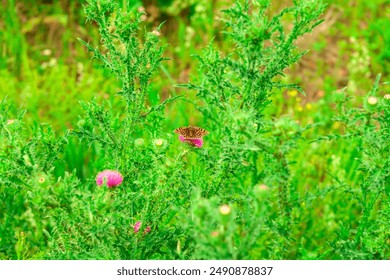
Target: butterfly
191 132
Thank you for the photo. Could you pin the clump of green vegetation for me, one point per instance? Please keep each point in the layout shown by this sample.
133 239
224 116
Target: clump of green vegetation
118 184
369 129
248 150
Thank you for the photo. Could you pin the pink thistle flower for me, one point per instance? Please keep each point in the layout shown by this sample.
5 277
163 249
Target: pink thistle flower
197 142
110 177
137 226
147 229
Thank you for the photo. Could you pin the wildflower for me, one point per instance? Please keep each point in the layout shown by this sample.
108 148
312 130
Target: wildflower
261 190
387 96
144 17
159 142
52 62
372 100
41 180
46 52
137 226
214 233
110 177
10 121
292 93
156 32
299 108
336 125
197 142
225 209
263 187
139 142
147 229
309 106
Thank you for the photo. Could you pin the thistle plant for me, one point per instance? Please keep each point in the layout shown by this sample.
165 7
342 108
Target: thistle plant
234 90
133 56
131 60
28 159
130 145
25 155
369 129
236 87
232 183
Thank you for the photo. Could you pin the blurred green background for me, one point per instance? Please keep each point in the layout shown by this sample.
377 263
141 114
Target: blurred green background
45 70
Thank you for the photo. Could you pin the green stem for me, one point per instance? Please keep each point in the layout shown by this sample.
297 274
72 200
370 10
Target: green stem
367 208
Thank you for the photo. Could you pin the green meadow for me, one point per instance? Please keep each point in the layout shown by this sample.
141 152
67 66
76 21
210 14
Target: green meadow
249 129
